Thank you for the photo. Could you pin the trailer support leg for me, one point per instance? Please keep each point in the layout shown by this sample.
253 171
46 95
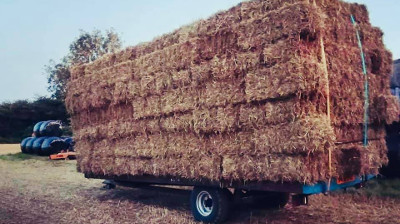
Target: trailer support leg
109 184
299 199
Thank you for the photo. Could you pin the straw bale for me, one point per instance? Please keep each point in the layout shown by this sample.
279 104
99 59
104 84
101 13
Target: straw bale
198 168
235 144
257 31
163 82
214 120
181 78
179 100
355 159
224 67
254 9
282 80
121 129
275 167
85 151
122 165
133 89
307 135
150 146
201 72
188 144
77 72
146 107
88 132
103 165
147 84
304 136
104 148
247 61
385 109
219 43
221 93
123 68
355 133
190 168
120 93
276 112
177 123
101 94
101 158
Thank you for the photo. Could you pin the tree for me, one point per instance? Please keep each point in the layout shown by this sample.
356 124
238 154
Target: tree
84 49
18 118
58 75
89 46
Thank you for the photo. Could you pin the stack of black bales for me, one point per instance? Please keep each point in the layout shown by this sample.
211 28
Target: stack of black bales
46 139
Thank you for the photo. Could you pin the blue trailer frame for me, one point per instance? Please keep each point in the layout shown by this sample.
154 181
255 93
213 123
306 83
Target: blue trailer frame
295 188
322 187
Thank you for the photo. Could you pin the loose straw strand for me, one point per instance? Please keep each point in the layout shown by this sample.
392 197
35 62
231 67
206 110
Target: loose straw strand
328 104
328 101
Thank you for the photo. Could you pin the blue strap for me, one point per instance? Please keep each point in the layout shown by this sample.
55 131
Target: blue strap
366 87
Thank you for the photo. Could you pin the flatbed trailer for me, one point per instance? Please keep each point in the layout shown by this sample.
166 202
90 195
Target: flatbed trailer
210 200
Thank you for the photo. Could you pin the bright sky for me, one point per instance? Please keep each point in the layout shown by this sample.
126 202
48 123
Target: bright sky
33 32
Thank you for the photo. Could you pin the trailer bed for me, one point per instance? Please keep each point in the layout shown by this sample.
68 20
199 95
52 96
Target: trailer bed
287 187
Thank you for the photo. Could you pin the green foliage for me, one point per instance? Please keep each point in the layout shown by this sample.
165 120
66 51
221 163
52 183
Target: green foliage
86 48
16 156
383 187
18 118
58 75
89 46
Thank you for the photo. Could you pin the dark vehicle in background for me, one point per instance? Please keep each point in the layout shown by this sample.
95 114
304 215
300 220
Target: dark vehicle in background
392 170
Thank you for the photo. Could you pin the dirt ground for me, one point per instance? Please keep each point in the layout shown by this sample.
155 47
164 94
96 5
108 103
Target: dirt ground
36 190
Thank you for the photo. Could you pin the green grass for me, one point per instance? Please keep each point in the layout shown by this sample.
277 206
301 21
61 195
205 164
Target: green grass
383 188
16 157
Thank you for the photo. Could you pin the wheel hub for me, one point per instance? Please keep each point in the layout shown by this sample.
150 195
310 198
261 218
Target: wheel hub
204 203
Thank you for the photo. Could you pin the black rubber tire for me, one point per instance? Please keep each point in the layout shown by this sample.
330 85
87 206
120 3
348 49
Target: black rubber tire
221 204
270 200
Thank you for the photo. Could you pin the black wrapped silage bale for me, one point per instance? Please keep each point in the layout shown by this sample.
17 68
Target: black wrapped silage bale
36 128
29 145
37 145
47 147
70 142
59 145
23 144
50 128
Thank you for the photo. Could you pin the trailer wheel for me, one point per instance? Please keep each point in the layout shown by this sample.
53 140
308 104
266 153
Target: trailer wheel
210 205
272 200
109 184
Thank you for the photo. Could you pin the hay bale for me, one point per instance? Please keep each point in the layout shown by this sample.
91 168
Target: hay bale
305 136
275 167
215 120
355 158
354 133
240 96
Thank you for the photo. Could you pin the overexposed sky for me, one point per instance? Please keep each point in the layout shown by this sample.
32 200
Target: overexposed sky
33 32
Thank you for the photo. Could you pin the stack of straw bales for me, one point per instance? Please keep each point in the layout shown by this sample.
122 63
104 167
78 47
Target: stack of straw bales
241 96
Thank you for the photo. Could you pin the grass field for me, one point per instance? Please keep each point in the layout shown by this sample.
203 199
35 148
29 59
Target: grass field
9 148
36 190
